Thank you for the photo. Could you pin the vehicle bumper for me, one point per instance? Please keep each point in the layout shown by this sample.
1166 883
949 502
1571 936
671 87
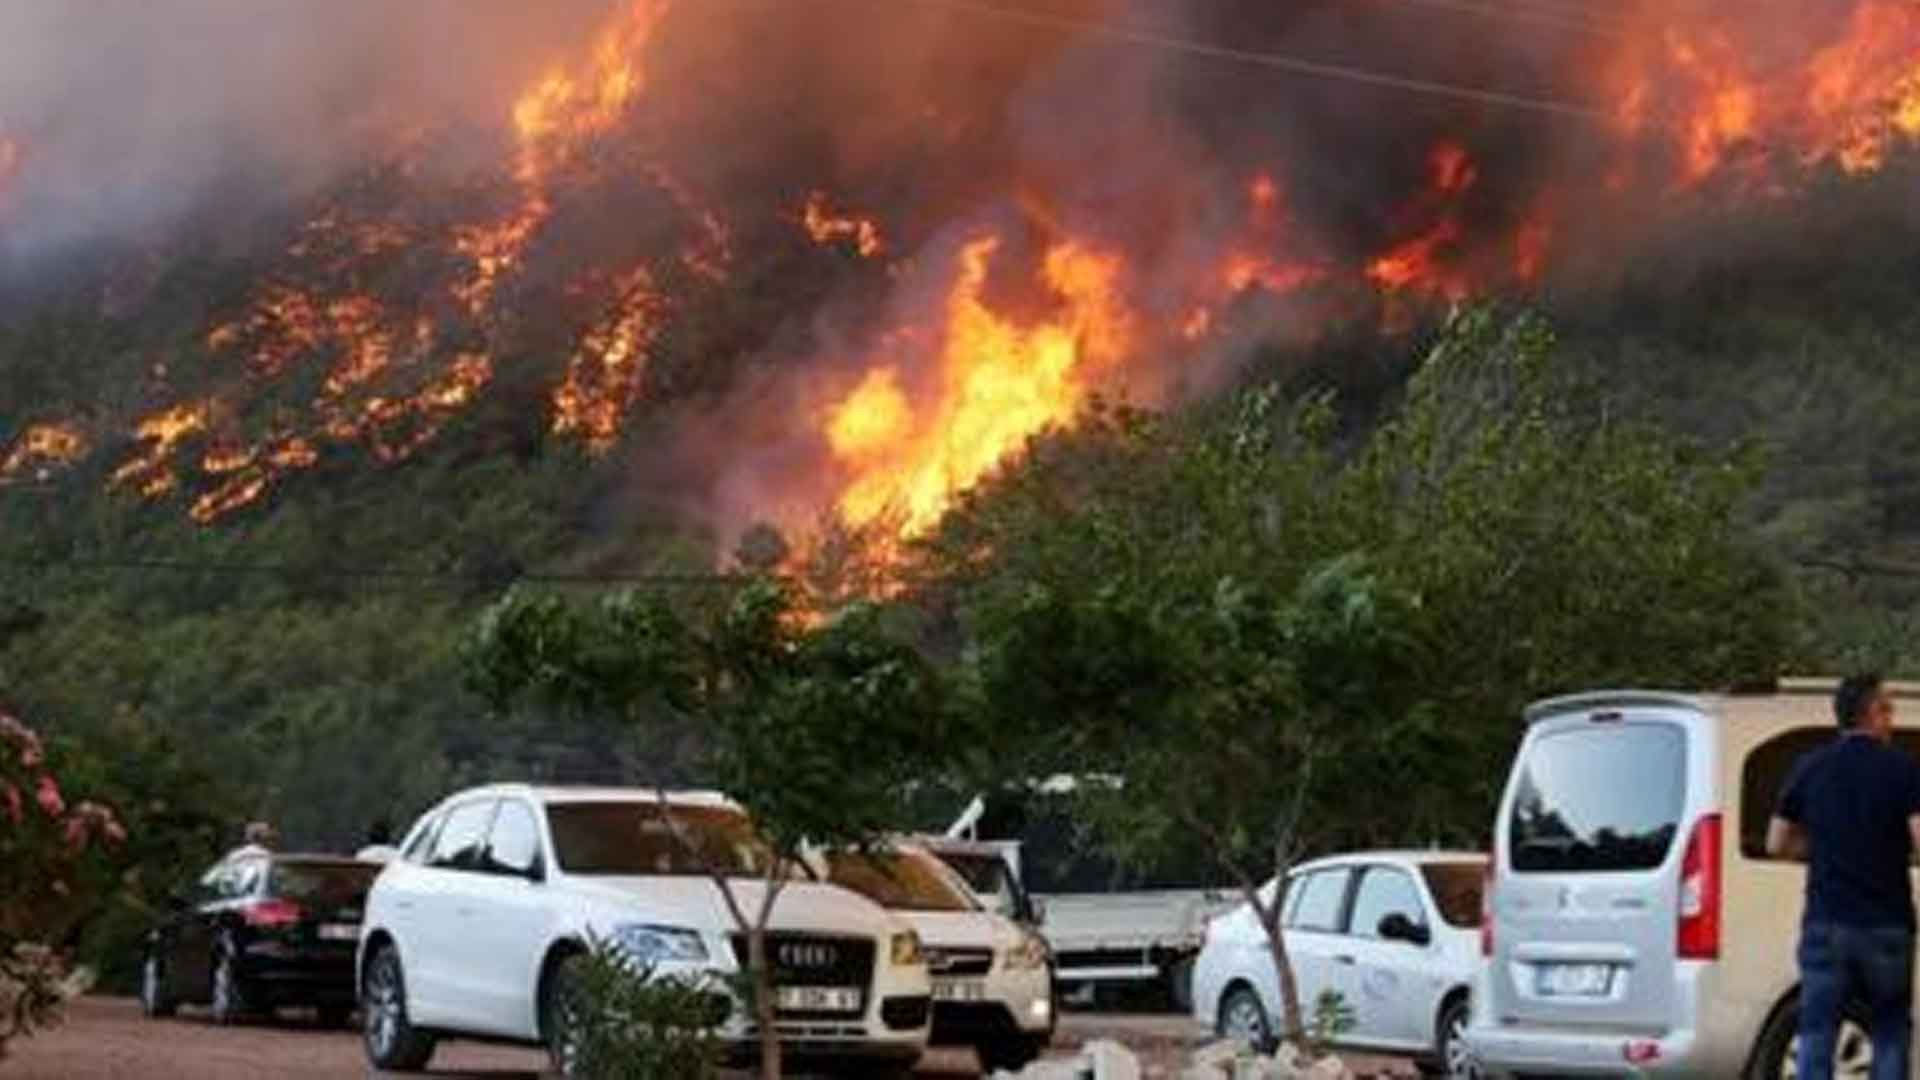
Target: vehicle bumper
1695 1045
1015 1004
277 973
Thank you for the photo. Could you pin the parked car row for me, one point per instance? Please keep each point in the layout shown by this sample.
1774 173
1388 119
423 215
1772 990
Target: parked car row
475 923
1629 921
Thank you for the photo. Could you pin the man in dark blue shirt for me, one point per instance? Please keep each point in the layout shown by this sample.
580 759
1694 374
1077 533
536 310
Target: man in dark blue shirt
1852 809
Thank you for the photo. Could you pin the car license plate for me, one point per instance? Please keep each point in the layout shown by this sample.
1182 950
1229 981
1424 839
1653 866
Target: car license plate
339 932
959 990
1574 980
846 999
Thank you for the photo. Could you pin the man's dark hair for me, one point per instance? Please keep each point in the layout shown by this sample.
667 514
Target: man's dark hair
1851 698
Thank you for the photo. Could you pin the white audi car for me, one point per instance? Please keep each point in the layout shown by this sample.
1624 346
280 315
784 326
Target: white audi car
470 930
992 978
1395 934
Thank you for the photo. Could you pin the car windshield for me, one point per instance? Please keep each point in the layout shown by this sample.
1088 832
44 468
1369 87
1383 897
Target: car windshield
629 838
1456 890
900 880
321 884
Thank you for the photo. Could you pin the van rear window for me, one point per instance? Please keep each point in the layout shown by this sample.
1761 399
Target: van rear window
1602 798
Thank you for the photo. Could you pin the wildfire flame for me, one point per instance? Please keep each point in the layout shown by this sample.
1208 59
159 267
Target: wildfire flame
603 378
1700 101
827 227
40 449
999 383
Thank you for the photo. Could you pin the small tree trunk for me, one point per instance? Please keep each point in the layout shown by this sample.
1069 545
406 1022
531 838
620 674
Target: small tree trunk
1292 1022
763 1001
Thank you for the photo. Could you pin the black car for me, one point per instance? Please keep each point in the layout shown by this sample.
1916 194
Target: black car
261 931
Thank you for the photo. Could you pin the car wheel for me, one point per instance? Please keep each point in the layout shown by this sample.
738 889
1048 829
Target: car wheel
391 1040
1455 1059
156 998
1777 1056
227 1002
1178 978
1012 1054
1244 1019
560 1015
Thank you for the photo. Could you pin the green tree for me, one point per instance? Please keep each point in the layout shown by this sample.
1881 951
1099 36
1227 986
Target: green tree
1242 615
814 727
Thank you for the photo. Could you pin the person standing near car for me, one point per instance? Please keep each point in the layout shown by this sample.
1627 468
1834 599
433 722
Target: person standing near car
259 839
1851 809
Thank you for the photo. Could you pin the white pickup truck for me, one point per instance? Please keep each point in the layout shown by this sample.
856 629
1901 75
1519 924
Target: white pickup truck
1101 941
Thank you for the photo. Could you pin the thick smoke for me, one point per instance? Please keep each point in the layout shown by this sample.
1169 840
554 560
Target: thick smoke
129 115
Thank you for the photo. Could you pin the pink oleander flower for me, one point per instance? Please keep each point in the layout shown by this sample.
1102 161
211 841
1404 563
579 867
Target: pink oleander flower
13 802
48 796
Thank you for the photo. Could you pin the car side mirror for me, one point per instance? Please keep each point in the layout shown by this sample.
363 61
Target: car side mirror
1037 909
1397 927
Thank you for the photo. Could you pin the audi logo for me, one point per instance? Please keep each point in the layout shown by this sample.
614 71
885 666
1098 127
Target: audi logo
807 955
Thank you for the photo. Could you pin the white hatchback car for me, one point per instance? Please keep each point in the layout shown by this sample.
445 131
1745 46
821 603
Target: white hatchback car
992 978
1394 934
470 930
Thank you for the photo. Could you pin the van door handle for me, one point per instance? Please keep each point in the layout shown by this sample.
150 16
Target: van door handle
1343 960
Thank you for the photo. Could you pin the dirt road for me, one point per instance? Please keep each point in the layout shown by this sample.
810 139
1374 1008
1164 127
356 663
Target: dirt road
108 1039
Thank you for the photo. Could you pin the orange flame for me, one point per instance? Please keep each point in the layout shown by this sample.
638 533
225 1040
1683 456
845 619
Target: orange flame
42 448
150 472
603 378
1000 383
827 227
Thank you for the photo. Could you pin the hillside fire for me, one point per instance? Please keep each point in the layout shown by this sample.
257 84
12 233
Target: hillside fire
992 255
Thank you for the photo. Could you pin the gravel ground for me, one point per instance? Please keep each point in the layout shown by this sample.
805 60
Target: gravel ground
108 1038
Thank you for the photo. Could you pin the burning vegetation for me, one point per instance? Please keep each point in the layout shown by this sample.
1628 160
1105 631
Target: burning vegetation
1012 259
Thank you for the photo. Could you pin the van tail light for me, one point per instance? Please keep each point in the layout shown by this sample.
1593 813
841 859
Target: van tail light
1486 910
1700 892
271 913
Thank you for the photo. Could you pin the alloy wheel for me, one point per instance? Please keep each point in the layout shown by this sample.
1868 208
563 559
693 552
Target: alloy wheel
385 1006
1243 1019
1852 1054
1460 1060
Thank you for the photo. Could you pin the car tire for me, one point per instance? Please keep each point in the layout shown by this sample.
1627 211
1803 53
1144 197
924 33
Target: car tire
1242 1016
227 994
392 1042
1451 1056
1011 1054
557 1003
1178 978
156 997
1773 1054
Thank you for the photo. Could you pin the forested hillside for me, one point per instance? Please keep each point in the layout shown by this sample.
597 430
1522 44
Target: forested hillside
947 308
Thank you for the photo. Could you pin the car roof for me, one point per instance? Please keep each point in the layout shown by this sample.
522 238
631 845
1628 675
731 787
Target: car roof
1627 697
577 793
1401 856
318 859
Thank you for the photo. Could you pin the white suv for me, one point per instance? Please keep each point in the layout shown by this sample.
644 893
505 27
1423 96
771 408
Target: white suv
470 930
992 978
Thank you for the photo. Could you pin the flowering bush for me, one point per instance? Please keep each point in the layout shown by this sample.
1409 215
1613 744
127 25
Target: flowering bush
58 858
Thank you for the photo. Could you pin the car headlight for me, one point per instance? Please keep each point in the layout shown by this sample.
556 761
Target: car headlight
1031 953
906 950
649 944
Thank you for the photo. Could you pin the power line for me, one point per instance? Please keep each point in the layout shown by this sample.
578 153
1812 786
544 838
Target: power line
1297 65
504 576
1593 26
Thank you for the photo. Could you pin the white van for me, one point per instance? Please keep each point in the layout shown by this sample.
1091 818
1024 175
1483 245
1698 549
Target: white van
1636 925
